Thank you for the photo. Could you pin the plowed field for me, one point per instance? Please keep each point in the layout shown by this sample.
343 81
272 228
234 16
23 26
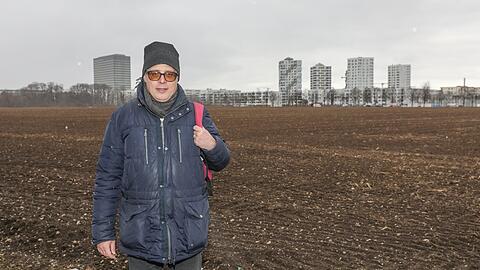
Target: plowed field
307 188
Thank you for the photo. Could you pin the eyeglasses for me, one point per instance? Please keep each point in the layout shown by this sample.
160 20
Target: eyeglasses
155 75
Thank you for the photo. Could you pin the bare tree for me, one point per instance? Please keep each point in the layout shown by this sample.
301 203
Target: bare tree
441 98
413 95
384 96
103 94
83 93
53 89
36 86
81 88
356 93
367 96
331 96
425 93
475 97
273 98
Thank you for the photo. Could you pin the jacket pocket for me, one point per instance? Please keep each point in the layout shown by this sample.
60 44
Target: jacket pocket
179 138
134 226
138 142
196 224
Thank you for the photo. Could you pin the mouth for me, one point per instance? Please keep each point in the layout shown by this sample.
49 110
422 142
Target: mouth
161 89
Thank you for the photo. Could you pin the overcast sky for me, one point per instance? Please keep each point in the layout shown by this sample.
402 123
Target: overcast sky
238 44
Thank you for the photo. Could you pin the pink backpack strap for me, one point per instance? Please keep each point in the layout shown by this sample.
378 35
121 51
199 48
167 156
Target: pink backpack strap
198 107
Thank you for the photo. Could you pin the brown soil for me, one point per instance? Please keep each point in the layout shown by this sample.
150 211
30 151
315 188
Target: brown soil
307 188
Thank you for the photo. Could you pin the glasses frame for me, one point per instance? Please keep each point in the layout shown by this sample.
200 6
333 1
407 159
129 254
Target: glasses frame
161 74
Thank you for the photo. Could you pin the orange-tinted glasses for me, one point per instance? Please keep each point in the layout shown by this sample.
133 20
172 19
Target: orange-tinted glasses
155 75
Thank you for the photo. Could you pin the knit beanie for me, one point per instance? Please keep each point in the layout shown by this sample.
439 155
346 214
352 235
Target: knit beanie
160 53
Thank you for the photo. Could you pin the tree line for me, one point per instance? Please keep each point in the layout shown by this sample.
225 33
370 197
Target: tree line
54 94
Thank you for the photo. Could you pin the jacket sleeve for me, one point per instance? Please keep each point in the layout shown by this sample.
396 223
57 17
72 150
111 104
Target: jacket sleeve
219 156
106 193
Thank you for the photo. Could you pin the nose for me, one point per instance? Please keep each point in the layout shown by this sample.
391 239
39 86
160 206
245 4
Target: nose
162 78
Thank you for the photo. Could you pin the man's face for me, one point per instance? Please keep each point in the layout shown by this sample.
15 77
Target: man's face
161 90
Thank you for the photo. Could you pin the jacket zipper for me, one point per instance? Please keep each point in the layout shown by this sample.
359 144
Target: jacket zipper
145 137
169 240
163 135
163 146
179 135
169 244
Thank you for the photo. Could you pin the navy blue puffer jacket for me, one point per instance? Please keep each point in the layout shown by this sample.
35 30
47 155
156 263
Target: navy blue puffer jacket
150 170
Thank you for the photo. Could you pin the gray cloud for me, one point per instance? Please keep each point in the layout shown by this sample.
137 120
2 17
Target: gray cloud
237 44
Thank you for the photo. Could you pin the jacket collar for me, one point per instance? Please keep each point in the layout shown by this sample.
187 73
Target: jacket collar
179 101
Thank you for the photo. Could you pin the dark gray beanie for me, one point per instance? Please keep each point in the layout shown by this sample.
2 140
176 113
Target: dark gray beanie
160 53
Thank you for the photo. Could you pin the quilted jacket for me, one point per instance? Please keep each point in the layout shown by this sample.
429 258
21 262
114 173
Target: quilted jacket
150 171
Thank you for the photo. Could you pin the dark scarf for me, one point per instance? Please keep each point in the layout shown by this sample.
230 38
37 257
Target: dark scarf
160 109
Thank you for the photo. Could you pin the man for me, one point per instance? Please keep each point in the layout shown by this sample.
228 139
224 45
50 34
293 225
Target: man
150 167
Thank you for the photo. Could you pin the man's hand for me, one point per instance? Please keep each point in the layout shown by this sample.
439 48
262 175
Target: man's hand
202 138
107 249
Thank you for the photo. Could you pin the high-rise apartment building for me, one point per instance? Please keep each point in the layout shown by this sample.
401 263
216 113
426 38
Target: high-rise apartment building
290 80
359 73
358 77
399 77
320 82
112 70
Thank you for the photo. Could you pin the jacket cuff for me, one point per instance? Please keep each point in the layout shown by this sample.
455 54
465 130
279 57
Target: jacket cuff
96 242
217 150
219 156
